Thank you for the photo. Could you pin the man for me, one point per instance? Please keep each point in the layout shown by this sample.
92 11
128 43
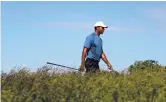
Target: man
93 50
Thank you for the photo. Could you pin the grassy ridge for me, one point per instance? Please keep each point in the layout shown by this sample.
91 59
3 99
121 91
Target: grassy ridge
42 86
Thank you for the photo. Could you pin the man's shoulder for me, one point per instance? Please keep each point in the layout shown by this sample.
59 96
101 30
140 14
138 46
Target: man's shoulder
91 35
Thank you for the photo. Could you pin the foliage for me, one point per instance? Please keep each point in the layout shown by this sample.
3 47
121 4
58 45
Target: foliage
141 65
46 85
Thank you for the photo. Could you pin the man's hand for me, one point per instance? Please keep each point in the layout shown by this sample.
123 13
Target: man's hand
109 66
82 68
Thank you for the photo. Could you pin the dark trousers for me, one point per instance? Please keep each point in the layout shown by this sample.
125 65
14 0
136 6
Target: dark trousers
91 65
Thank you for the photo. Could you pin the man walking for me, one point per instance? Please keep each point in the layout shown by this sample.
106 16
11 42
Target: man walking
93 50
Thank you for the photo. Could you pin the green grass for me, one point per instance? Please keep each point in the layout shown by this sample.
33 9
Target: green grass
42 86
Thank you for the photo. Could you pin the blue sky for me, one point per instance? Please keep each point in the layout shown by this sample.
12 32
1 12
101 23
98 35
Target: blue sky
34 33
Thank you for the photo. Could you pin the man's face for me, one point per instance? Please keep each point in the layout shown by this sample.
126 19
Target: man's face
101 30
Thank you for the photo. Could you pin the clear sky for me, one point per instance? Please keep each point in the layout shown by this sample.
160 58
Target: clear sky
34 33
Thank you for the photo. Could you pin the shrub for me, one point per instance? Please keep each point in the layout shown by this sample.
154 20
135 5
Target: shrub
47 85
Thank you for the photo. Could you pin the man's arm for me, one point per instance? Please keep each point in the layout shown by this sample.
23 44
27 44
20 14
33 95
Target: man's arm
85 50
104 58
84 53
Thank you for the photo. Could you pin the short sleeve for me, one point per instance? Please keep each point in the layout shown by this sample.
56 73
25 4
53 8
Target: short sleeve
88 42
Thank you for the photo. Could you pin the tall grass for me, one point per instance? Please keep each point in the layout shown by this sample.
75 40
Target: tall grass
46 85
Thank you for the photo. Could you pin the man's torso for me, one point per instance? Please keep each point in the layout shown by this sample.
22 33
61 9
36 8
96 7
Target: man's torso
95 50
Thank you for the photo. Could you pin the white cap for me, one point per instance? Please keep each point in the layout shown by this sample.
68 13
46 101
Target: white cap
100 23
